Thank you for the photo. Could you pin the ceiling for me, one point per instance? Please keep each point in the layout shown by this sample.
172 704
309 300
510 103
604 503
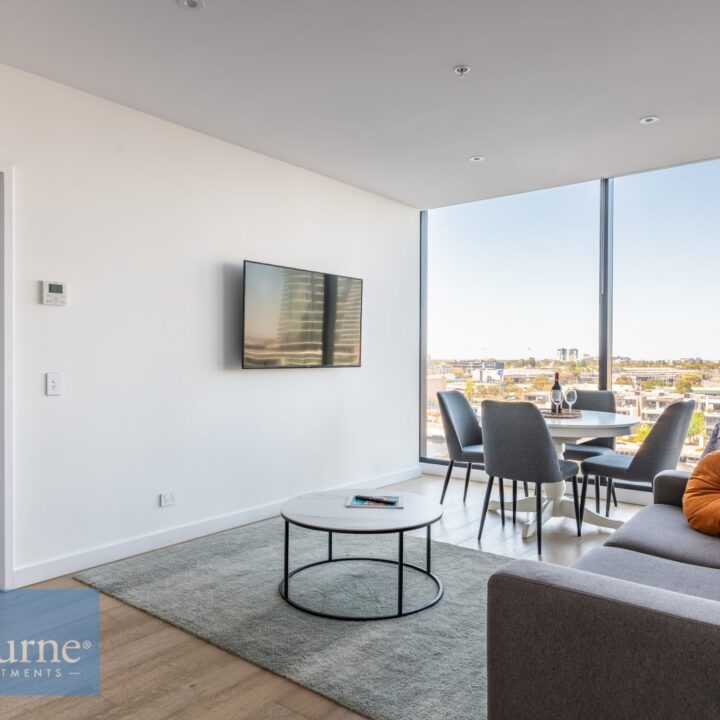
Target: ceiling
364 90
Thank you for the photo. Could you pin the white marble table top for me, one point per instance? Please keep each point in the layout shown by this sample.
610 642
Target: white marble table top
327 511
593 423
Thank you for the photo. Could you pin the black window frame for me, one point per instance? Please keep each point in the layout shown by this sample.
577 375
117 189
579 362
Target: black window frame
605 314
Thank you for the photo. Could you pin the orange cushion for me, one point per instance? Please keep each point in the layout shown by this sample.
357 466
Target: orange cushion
701 501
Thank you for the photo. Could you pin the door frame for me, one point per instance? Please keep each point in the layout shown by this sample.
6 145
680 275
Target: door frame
7 466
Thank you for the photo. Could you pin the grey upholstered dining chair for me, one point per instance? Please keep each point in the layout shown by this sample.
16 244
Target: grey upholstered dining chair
659 451
518 446
602 401
463 435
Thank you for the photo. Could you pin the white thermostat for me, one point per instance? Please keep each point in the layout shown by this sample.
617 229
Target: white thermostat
54 293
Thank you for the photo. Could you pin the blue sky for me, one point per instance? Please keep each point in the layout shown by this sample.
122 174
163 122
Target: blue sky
516 276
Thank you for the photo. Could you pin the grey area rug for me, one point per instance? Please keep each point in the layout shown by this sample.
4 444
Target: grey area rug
224 589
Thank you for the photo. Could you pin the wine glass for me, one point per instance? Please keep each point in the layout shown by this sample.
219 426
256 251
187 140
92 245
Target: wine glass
571 398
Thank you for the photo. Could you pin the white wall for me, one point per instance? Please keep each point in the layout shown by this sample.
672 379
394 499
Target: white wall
138 216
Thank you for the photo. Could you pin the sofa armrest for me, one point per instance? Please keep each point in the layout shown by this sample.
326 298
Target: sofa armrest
669 487
564 643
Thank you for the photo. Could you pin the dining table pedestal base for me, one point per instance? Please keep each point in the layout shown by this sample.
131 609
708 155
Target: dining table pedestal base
563 429
554 505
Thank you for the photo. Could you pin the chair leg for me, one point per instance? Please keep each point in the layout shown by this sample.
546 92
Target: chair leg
583 496
538 519
485 505
514 482
447 481
467 480
577 505
527 492
502 501
614 497
597 494
608 495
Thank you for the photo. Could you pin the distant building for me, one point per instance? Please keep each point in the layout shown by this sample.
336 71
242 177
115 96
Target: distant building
489 371
562 354
573 354
435 384
665 375
441 369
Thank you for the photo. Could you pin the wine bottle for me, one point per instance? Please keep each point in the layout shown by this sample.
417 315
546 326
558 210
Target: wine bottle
556 395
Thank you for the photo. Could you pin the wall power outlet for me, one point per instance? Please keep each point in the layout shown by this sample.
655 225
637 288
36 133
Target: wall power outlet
167 498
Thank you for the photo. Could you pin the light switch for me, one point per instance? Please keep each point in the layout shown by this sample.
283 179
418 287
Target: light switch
53 383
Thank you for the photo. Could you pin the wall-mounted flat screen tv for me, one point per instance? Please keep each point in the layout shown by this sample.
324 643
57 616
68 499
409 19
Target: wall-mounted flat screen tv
300 319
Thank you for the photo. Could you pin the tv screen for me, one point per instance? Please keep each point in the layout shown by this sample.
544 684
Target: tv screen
299 318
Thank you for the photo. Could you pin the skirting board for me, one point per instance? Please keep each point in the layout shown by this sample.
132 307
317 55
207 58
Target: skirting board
633 497
66 564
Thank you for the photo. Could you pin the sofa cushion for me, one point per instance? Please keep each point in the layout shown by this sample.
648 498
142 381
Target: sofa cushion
662 530
701 501
654 571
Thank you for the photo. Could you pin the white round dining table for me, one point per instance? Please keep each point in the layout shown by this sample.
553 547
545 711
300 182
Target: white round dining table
590 424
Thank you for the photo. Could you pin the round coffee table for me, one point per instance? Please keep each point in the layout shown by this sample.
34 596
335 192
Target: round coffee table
326 512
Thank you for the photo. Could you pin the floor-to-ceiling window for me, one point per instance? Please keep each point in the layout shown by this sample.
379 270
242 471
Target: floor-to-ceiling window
511 297
666 343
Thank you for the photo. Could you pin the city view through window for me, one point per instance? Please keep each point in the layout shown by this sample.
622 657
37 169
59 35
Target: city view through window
512 297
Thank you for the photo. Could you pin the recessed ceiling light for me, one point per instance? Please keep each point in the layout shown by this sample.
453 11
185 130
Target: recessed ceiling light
191 4
649 120
462 70
476 158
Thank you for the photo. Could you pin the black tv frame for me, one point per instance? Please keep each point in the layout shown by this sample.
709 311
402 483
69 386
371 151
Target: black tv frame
296 367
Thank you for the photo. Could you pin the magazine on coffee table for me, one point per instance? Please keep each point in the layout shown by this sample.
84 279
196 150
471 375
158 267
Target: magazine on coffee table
385 502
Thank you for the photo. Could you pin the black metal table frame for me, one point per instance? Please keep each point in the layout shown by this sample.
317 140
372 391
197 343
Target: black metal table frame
400 562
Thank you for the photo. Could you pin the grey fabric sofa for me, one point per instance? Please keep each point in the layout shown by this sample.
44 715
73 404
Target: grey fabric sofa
631 630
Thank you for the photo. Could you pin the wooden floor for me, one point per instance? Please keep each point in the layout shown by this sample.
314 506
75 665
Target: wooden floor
152 670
